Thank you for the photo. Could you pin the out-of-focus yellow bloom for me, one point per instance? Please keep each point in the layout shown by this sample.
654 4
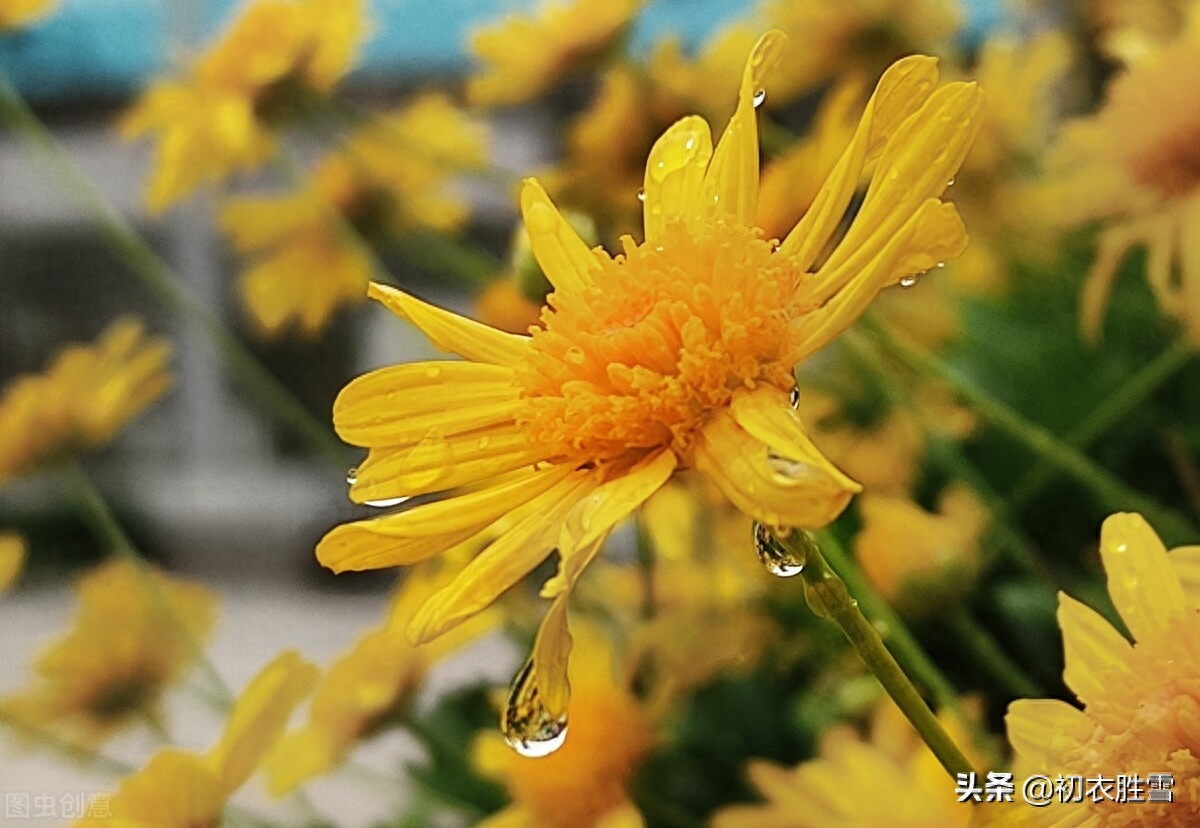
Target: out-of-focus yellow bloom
178 789
217 119
1135 164
1141 701
917 560
860 37
502 305
677 83
1129 30
310 246
12 559
889 779
677 354
583 785
135 633
15 14
367 688
86 395
524 55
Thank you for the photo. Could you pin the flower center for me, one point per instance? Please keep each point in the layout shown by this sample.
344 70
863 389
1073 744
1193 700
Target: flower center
665 337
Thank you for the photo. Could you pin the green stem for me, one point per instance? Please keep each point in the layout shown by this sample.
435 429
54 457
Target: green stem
1105 486
829 597
156 276
1115 408
986 651
108 530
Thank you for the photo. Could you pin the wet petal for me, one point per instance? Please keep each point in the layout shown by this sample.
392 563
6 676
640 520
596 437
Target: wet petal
551 655
1144 588
731 183
451 332
562 255
1095 653
675 176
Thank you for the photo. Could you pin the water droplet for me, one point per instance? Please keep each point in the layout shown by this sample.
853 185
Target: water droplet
641 194
794 398
950 183
940 265
385 502
352 476
909 280
483 443
433 372
788 471
778 560
574 355
690 144
760 95
527 725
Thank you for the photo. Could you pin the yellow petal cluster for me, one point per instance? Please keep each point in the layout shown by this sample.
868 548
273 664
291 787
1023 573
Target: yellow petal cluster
135 633
83 399
676 354
1140 695
216 119
180 789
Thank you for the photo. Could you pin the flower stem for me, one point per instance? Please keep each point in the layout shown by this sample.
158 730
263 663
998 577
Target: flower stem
108 530
156 276
1105 486
1114 409
829 597
991 657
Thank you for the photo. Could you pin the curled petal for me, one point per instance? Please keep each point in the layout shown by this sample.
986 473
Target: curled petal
562 255
675 176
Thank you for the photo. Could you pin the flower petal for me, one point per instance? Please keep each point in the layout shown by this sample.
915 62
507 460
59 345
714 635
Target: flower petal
562 255
902 90
551 655
1041 730
675 176
1145 589
423 531
450 332
1095 653
776 475
508 559
731 183
1185 560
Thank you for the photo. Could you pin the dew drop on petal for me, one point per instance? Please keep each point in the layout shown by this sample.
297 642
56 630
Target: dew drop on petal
385 502
641 194
433 372
794 398
352 476
788 471
909 280
778 561
940 265
760 96
950 183
527 725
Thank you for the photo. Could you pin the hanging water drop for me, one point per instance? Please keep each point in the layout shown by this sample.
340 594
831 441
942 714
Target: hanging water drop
527 725
950 183
778 560
352 476
940 265
760 96
641 194
794 398
788 471
385 502
909 280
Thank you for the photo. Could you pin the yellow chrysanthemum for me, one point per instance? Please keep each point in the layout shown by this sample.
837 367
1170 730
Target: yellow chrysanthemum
86 395
676 354
179 789
135 633
12 559
890 779
367 688
15 14
584 784
1135 164
391 176
1141 700
918 560
217 119
524 55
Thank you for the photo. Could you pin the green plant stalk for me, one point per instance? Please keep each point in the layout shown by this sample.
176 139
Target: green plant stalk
984 649
157 277
108 530
1105 486
1118 405
829 597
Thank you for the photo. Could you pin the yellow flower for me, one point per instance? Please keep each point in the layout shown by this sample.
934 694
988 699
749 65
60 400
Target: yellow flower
12 559
179 789
17 13
583 785
918 560
217 119
890 779
1135 165
309 246
1140 700
135 633
677 354
526 55
1128 30
82 399
366 689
